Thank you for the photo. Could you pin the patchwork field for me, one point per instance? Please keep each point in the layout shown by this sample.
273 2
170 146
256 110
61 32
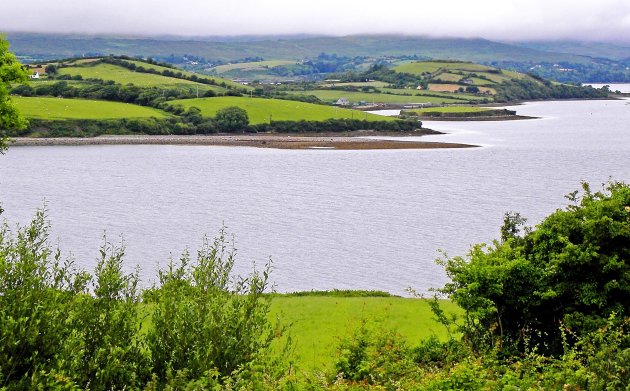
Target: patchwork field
124 76
414 97
250 66
481 76
451 109
262 110
375 84
450 88
160 68
58 109
420 67
317 324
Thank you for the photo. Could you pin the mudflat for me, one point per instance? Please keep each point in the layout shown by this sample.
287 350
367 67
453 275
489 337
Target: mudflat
244 140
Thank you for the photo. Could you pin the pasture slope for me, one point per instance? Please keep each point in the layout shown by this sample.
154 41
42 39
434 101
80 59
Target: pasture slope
60 109
318 323
262 110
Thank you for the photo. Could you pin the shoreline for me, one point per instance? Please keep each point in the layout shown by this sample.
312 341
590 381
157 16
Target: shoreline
473 119
289 141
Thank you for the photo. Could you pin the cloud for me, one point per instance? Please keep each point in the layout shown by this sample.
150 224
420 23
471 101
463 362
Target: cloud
503 20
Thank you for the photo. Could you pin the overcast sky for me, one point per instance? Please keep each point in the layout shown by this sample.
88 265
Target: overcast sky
499 19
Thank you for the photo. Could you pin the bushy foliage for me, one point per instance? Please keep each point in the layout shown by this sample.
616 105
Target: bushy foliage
232 119
524 89
206 320
374 356
336 125
59 323
566 275
202 327
11 71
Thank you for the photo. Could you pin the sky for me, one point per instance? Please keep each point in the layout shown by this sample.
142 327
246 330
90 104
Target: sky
506 20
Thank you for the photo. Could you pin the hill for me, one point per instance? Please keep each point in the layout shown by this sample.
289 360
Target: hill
37 47
262 110
59 109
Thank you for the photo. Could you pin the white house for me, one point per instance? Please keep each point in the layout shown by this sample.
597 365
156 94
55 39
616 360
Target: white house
343 102
35 75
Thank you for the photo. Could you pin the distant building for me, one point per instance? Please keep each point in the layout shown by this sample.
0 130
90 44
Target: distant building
468 81
343 102
35 75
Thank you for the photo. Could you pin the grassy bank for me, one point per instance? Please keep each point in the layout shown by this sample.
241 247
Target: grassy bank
123 76
263 110
61 109
317 324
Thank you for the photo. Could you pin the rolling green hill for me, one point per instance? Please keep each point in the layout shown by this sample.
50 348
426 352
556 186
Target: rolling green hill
59 109
332 96
250 66
455 71
122 75
262 110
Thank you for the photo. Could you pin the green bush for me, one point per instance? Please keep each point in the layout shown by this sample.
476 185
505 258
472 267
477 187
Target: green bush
61 328
569 273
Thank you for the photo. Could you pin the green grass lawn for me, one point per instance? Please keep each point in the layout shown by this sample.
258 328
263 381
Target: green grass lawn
334 95
259 110
58 109
318 323
124 76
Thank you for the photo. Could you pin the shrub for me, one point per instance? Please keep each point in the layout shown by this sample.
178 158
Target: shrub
204 318
570 272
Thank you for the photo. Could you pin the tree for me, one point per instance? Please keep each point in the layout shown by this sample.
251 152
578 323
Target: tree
51 69
11 71
552 285
232 119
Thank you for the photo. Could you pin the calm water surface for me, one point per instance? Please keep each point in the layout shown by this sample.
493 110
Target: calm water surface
329 219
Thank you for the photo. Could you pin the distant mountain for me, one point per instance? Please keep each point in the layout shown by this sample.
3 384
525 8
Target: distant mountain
611 51
37 47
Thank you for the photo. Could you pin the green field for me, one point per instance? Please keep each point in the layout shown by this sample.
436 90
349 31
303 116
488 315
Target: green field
449 77
160 68
334 95
375 84
125 76
261 110
447 95
59 109
318 323
420 67
451 109
250 66
455 71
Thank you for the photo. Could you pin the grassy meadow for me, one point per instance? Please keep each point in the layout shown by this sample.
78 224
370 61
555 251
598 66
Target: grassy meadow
421 67
160 68
123 75
317 323
261 110
451 109
415 97
59 109
250 66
